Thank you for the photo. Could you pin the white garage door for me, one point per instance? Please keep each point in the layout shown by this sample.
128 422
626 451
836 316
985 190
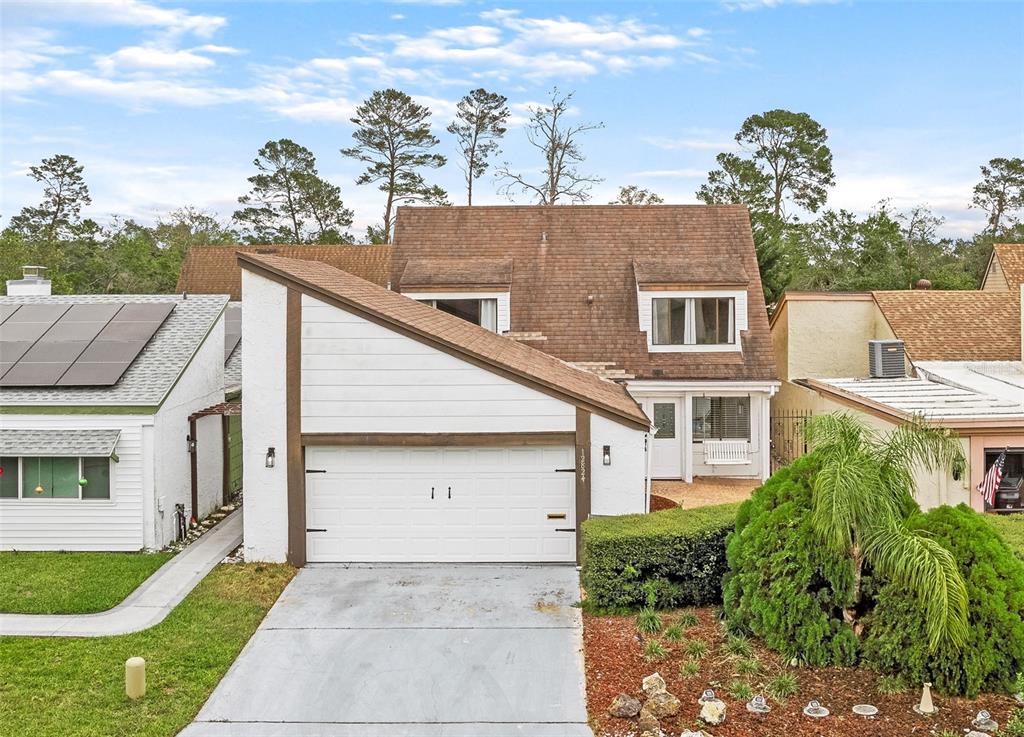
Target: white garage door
440 504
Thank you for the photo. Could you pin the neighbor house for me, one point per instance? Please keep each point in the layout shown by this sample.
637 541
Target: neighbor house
951 357
106 427
665 300
378 428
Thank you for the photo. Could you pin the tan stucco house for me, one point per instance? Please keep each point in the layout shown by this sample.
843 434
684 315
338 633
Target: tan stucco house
962 367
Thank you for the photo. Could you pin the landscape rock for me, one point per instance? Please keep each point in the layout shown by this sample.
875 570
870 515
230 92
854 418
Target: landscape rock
976 733
713 712
624 706
654 684
648 722
651 733
689 733
663 704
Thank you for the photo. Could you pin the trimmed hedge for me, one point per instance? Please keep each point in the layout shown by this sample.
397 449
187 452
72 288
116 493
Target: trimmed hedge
1011 528
663 559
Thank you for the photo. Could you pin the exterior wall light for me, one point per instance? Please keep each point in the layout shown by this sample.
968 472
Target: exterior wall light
190 444
270 457
606 455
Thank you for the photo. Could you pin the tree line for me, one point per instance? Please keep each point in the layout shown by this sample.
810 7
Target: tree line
781 169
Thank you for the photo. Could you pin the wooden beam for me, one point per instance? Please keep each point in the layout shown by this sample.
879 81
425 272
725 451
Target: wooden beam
441 439
583 474
193 462
293 430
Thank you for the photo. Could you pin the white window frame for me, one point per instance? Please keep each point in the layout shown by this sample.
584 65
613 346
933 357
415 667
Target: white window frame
49 499
645 303
501 308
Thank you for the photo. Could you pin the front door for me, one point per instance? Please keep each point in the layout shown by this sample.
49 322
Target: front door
666 456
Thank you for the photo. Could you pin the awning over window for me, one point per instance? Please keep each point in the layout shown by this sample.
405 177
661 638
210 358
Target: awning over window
689 272
457 273
50 442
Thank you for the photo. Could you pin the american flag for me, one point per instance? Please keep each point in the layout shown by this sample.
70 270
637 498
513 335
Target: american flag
989 484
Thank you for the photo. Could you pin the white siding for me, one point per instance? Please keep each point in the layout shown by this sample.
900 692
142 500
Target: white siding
78 524
263 420
200 386
210 463
361 377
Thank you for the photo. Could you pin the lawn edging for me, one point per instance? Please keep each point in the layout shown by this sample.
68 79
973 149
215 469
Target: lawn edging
671 558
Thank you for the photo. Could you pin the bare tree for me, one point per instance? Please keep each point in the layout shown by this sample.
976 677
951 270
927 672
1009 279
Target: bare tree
558 142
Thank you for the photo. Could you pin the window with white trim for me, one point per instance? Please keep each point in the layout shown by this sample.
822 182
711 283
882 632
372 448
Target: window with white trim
693 320
54 477
721 418
482 312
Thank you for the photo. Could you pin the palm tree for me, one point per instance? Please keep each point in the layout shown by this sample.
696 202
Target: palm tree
862 495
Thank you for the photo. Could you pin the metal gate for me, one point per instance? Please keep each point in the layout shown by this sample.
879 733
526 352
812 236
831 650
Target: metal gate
787 436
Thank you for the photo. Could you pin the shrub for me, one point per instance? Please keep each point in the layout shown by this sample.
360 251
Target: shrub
689 668
895 640
648 622
664 559
891 685
1011 527
740 690
782 585
696 649
1014 725
674 633
654 650
782 687
688 619
748 666
738 645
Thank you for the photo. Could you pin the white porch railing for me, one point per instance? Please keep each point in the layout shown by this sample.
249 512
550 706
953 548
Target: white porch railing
726 452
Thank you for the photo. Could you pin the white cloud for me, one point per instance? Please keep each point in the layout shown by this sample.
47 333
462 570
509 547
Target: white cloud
152 58
331 111
698 140
746 5
116 13
215 49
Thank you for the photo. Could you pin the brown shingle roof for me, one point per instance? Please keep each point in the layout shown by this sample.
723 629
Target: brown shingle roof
564 254
662 271
482 273
1011 260
215 270
453 334
955 325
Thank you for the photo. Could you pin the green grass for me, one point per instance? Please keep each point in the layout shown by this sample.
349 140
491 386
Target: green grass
689 668
741 690
1011 527
738 645
891 685
71 583
696 649
675 633
654 650
782 687
74 687
648 622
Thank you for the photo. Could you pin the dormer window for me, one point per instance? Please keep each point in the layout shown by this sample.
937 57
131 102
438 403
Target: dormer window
482 312
693 321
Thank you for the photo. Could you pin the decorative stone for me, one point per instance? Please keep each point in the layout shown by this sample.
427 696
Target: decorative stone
713 712
975 733
815 710
654 684
925 707
648 722
865 710
758 705
663 704
689 733
624 706
984 722
651 733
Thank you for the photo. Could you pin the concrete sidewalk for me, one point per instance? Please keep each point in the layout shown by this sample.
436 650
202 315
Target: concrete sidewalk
148 604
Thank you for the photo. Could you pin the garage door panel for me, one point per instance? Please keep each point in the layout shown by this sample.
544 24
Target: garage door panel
375 504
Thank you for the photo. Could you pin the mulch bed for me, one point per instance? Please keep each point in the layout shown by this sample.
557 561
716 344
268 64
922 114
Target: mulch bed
659 503
615 664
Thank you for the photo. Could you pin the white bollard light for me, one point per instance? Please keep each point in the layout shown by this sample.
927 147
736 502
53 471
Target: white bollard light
135 678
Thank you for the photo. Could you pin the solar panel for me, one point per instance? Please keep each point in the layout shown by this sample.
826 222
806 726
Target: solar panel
75 344
7 310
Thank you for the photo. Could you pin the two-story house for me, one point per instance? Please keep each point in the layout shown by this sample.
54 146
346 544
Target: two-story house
666 300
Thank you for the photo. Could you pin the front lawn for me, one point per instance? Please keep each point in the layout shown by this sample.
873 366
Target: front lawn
1011 527
71 583
75 687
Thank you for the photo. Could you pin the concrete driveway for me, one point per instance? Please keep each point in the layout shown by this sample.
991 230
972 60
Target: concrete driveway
410 651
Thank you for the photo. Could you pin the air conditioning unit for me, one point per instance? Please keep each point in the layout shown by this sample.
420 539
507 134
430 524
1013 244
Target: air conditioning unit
886 359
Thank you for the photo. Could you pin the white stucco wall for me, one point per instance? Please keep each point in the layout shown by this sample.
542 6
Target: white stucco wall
263 421
620 487
200 386
85 524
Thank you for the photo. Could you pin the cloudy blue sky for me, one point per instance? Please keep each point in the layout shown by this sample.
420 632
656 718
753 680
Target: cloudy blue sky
166 103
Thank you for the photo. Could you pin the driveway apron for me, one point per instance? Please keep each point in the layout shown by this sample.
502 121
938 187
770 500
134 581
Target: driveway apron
408 650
